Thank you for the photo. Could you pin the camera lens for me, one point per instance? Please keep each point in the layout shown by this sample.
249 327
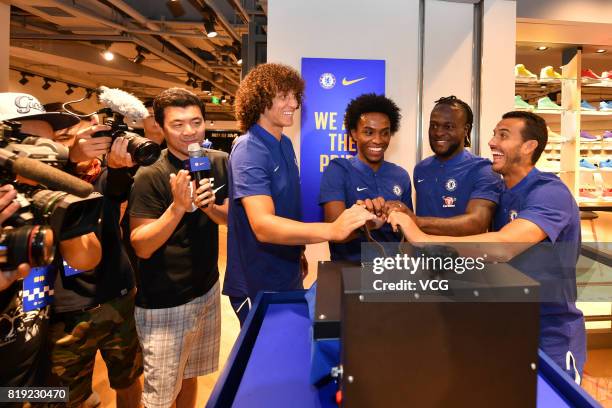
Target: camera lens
143 151
32 244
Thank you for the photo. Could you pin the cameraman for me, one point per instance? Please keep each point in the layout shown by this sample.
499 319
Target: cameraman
94 310
22 334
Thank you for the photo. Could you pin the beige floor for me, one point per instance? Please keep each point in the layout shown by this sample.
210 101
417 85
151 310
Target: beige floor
230 327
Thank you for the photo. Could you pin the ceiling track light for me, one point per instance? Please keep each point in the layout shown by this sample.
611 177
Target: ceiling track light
223 98
69 90
206 86
189 80
195 84
175 7
47 83
24 78
209 26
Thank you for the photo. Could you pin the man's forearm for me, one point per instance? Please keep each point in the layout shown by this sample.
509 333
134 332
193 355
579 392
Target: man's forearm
218 213
148 238
273 229
458 226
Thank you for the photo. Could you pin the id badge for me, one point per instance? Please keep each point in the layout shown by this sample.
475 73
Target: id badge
38 288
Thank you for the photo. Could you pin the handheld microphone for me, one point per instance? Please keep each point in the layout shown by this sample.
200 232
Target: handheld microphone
199 164
49 176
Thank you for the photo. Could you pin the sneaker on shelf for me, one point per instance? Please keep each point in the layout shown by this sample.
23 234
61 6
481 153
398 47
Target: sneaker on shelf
546 103
589 74
585 106
588 192
548 74
554 137
605 165
522 74
519 103
606 75
549 166
607 136
586 137
605 106
587 165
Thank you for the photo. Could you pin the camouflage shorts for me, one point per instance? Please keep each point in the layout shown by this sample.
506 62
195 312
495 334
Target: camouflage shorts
75 337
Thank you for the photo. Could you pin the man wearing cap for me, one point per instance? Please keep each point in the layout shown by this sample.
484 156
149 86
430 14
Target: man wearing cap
83 251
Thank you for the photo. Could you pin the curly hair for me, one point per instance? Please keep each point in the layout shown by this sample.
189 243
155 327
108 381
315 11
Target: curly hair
179 97
260 86
371 102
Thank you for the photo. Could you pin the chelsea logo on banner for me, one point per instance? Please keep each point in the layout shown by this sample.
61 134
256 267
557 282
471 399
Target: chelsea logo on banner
327 80
451 184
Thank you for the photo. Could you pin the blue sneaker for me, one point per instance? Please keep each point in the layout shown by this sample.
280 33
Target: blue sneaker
584 105
605 106
605 165
587 165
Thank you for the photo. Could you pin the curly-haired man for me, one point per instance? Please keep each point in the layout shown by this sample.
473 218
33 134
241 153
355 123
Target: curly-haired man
265 236
371 120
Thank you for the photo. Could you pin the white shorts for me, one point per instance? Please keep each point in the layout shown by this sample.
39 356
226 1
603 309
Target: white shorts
178 343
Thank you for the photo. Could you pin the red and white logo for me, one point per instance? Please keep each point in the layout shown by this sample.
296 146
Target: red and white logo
448 202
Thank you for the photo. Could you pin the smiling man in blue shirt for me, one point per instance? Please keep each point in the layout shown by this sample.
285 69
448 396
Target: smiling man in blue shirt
536 228
371 120
266 237
456 191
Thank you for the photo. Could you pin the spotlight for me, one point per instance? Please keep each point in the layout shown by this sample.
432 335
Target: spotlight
138 58
69 91
175 7
223 98
239 62
206 86
542 48
108 55
195 84
24 80
209 26
47 83
600 51
189 80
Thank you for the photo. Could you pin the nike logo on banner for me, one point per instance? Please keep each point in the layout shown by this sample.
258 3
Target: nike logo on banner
347 82
276 169
361 188
419 180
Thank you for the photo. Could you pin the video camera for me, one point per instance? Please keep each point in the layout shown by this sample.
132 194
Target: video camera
60 206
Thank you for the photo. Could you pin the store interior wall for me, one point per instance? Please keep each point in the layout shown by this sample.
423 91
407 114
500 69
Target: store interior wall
389 31
5 32
590 11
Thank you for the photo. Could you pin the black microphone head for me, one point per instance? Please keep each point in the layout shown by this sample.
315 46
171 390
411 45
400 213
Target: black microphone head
52 178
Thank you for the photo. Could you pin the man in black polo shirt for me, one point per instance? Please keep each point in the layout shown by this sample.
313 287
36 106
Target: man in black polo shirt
174 234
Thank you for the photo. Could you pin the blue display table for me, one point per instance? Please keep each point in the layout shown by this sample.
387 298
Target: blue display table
269 365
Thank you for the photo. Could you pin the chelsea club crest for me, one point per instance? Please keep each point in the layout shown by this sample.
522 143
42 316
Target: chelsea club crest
397 190
327 80
451 184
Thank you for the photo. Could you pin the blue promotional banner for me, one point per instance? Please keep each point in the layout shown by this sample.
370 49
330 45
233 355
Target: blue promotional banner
330 85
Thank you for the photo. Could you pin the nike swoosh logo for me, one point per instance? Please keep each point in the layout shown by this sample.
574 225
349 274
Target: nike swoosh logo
276 168
419 180
347 82
361 188
218 188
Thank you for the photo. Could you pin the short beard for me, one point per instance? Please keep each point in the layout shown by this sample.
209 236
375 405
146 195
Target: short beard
452 149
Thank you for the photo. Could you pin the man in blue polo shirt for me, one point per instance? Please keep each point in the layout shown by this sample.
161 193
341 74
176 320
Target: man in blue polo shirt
371 120
535 208
265 236
456 192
